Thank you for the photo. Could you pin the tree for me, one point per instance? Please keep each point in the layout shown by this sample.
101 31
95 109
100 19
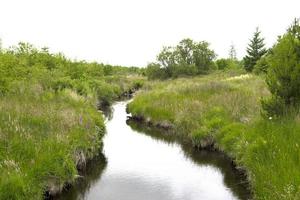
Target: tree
167 59
185 50
187 58
203 57
255 50
283 76
154 71
232 52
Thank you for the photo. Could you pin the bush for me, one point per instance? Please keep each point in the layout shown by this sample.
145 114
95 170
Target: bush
283 76
222 63
154 71
184 70
261 66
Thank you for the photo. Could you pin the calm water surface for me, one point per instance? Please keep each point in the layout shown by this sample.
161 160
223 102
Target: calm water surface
140 163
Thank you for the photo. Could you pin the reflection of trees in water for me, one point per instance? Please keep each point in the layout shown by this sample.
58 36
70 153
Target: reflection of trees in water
92 174
107 112
233 179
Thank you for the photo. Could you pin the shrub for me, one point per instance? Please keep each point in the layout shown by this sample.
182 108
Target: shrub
283 77
261 66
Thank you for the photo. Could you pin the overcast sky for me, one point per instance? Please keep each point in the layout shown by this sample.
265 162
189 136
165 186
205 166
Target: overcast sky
132 32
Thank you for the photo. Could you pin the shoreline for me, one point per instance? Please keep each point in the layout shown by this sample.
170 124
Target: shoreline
209 144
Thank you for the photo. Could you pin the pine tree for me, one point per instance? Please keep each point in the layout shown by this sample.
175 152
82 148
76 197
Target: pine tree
255 50
283 78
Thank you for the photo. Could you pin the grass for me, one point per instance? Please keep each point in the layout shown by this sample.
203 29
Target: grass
49 119
223 110
40 135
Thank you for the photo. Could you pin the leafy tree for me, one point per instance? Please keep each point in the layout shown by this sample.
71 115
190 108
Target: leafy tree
255 50
167 59
185 51
203 56
187 58
283 77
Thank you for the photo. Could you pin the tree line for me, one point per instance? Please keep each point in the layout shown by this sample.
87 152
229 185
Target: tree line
280 64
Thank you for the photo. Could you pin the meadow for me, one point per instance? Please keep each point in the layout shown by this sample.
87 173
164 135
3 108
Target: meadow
222 111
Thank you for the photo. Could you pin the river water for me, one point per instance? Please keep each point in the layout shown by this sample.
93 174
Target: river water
139 163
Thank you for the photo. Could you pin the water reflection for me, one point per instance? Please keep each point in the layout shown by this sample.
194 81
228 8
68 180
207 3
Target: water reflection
233 179
89 177
143 163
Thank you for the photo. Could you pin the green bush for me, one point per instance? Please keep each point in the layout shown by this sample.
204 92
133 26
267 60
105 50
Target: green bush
283 76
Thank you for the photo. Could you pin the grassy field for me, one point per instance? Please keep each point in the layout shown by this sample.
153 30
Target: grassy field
222 111
50 125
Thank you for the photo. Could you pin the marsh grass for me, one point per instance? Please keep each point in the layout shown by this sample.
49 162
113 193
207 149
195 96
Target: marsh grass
39 135
226 107
49 119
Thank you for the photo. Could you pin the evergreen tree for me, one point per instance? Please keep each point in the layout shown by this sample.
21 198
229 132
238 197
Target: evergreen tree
255 50
283 76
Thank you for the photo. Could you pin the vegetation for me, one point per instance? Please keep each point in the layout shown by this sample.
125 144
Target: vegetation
50 126
232 52
187 58
283 77
223 111
255 51
228 64
49 123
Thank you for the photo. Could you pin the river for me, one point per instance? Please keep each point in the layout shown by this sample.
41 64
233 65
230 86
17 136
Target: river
140 163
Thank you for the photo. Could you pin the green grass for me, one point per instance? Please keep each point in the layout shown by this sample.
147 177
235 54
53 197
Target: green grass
40 133
49 117
227 110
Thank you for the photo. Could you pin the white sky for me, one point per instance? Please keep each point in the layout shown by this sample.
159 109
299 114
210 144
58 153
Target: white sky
132 32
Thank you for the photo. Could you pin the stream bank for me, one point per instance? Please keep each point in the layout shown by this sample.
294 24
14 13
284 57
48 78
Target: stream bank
144 163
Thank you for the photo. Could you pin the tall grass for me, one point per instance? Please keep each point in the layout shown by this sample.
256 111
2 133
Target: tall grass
49 120
40 135
223 110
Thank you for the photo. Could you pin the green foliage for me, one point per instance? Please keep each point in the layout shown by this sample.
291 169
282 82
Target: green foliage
228 64
283 77
222 63
261 66
48 114
255 51
186 59
154 71
201 103
225 108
